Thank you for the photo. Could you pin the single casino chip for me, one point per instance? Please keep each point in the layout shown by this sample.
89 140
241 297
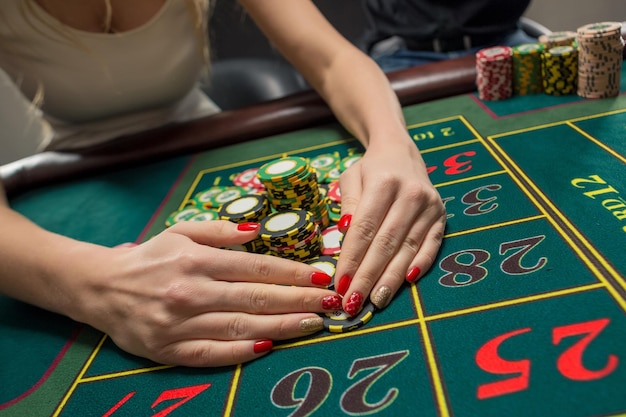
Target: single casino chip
332 238
334 193
564 38
204 216
182 215
348 161
340 322
226 196
248 179
248 208
326 264
202 199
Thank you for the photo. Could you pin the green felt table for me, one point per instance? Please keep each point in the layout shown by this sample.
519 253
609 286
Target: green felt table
522 314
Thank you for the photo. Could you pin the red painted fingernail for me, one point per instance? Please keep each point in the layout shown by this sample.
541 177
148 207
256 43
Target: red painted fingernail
343 284
263 346
248 227
344 223
331 302
413 273
353 306
320 278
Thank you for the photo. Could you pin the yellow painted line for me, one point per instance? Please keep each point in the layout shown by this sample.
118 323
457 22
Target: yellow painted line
78 379
449 146
515 301
598 143
276 155
496 225
467 179
125 373
434 122
233 392
440 395
564 235
559 123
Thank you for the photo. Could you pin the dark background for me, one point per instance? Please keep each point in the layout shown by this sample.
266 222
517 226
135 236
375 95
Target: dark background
234 34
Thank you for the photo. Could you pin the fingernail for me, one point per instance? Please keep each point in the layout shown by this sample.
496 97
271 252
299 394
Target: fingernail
382 297
320 278
248 227
413 273
344 223
343 284
312 325
263 346
331 303
353 306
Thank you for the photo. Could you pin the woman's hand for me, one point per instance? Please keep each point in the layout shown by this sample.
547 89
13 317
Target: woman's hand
179 299
394 221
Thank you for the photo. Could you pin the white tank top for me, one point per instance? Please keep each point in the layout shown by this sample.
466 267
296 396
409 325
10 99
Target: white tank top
98 86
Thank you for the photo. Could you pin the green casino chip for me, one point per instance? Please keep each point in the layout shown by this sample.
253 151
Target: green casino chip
204 216
182 215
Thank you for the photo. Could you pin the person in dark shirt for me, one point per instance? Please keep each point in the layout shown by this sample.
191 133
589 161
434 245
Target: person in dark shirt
405 33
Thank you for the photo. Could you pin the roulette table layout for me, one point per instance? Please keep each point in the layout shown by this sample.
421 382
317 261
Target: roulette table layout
522 314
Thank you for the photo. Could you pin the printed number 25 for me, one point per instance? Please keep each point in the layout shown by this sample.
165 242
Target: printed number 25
569 363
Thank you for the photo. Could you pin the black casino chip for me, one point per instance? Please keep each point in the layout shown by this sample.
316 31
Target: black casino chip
340 322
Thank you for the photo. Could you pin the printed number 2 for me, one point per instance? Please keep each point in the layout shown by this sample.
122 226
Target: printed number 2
569 362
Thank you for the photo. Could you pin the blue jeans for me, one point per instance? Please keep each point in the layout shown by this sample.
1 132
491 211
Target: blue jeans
393 56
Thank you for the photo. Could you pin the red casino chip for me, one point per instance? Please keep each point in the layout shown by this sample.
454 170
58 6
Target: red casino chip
334 193
331 237
248 179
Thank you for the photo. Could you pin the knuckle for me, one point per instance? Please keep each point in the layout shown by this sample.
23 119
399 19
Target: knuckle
201 355
412 244
386 244
179 293
349 201
367 279
237 328
258 300
188 261
365 228
259 267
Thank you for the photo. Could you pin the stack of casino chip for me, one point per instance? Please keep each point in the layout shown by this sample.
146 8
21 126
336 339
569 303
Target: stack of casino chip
527 69
291 184
560 70
249 208
551 40
600 50
291 234
494 73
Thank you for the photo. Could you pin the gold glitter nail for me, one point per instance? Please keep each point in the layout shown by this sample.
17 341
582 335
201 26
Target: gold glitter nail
312 325
382 297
